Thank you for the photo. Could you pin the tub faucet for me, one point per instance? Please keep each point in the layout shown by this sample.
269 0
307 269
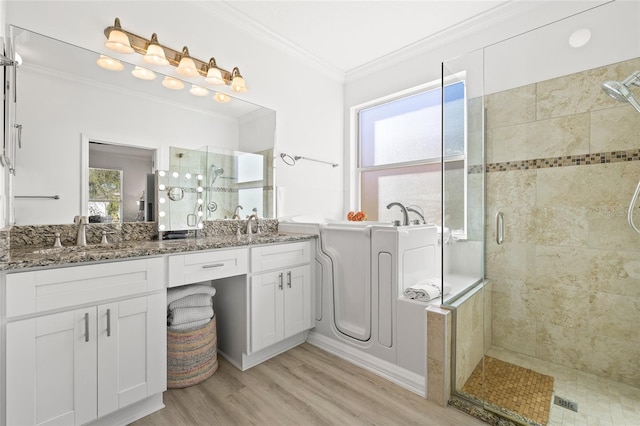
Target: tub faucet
81 221
236 213
405 215
411 209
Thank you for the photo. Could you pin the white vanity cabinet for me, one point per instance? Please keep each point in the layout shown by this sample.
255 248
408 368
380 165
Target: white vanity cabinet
280 293
84 341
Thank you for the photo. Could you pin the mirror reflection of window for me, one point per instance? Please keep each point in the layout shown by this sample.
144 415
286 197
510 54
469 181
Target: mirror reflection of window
105 195
251 182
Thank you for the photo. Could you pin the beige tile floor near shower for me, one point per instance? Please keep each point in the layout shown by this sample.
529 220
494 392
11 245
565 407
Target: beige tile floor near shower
600 401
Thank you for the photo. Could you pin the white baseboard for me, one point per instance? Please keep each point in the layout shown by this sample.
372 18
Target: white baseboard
131 413
398 375
262 355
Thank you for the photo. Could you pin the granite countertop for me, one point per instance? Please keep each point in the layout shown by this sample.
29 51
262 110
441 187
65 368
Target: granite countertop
47 257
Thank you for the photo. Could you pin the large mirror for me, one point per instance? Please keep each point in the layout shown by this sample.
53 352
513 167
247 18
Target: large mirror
73 114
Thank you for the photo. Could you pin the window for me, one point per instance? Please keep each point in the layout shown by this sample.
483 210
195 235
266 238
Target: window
105 195
400 146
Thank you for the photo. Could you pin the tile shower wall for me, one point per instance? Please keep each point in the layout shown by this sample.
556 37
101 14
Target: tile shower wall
562 164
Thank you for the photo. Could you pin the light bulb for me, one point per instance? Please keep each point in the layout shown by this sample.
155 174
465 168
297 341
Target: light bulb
143 73
200 226
175 174
187 175
172 83
109 63
186 66
155 53
200 177
237 82
161 173
214 75
118 41
198 91
200 201
162 200
161 227
161 187
199 189
222 98
161 214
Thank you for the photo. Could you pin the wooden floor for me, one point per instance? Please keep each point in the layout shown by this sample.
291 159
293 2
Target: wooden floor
304 386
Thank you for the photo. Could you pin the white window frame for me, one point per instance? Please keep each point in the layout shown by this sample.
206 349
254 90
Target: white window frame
354 168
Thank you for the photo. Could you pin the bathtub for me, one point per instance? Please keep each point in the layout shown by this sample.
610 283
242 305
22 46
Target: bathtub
361 271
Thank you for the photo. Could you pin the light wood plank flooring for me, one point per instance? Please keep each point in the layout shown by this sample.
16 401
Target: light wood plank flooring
304 386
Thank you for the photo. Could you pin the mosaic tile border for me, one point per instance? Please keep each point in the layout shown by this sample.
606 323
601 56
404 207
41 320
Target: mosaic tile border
566 161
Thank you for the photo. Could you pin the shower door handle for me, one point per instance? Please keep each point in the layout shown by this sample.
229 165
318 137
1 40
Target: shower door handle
499 228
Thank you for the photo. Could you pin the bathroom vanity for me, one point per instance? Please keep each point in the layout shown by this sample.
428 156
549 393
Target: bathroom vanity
86 339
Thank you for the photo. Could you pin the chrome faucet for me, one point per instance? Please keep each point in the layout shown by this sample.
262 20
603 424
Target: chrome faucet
253 217
411 209
405 215
236 213
81 221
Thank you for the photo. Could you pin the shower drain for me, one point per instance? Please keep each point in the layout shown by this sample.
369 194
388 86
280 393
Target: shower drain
565 403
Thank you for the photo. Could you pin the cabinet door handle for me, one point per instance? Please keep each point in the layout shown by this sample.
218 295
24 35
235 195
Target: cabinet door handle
289 279
86 327
108 322
212 265
280 286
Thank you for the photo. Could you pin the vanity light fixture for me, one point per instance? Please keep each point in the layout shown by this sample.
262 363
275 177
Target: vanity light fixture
198 91
155 53
109 63
186 66
237 84
158 54
172 83
214 75
117 40
143 73
221 97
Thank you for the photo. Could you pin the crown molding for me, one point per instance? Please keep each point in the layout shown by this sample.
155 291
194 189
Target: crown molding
226 11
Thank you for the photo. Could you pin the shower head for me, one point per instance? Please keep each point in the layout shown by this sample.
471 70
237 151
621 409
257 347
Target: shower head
215 172
620 91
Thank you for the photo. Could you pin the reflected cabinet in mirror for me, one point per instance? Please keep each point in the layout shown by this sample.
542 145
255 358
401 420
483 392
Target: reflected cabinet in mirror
76 117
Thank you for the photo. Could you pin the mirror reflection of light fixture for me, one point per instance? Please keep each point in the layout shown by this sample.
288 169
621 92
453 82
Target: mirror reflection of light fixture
186 66
237 82
155 53
172 83
143 73
109 63
222 98
158 54
117 40
198 91
214 75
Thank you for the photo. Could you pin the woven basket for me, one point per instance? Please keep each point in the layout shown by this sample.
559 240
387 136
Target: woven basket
192 356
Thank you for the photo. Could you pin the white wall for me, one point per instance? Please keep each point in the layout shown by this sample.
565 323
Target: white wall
422 63
308 103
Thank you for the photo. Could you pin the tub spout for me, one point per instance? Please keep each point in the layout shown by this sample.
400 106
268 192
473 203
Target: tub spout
405 214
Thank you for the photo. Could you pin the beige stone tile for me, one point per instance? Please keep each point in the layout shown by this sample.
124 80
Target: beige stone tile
511 298
617 272
469 336
517 334
436 335
597 187
510 107
489 147
509 260
566 266
513 188
562 226
560 345
609 229
556 137
436 382
614 129
561 304
616 317
616 359
488 303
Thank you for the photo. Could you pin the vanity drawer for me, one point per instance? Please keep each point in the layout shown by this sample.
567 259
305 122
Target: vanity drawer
204 266
37 291
265 258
